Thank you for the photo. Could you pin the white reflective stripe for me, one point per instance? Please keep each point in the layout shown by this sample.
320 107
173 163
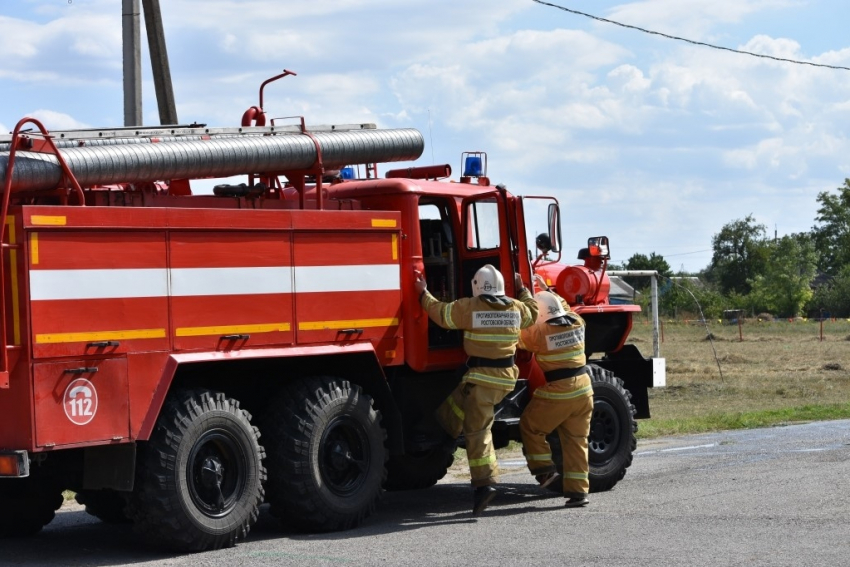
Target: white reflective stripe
98 284
139 282
230 281
371 277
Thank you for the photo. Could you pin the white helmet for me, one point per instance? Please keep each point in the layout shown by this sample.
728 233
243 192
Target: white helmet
548 306
488 281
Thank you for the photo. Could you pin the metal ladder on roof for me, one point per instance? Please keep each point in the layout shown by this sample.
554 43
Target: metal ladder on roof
137 134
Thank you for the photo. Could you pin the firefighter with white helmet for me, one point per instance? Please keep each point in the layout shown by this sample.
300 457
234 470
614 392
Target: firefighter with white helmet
564 403
491 323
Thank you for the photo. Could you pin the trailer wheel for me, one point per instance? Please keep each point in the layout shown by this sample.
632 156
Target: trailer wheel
106 505
612 440
420 469
28 505
326 455
199 482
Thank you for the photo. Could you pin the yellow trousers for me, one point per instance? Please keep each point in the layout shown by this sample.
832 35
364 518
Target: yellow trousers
566 406
469 409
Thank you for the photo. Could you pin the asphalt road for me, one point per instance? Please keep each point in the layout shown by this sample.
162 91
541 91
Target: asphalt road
778 496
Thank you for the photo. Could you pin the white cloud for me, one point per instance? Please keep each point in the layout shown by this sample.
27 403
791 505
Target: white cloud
57 120
694 19
654 142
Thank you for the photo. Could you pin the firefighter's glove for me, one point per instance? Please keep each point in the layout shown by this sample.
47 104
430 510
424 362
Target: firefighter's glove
541 283
420 284
518 285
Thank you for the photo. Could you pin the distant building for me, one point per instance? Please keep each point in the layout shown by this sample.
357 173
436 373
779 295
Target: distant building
621 293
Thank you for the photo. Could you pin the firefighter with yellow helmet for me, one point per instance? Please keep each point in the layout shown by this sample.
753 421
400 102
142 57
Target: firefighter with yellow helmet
491 323
565 403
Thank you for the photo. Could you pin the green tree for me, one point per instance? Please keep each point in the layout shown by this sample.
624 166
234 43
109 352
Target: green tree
643 262
740 254
832 235
785 286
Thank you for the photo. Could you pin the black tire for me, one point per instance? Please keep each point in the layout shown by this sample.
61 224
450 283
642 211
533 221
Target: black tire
326 455
419 469
199 479
28 505
106 505
612 440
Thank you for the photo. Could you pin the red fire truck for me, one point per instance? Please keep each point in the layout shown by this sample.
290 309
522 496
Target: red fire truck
177 359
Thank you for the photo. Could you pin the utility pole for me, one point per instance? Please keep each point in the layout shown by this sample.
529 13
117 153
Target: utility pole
132 63
159 63
130 31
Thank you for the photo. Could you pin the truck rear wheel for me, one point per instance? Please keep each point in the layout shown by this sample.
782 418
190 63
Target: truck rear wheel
199 482
326 455
419 469
612 440
28 505
106 505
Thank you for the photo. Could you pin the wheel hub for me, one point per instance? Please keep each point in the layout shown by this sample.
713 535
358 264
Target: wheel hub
212 473
344 456
216 473
604 435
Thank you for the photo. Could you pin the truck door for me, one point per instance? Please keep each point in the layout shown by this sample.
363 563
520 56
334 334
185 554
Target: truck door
453 249
487 239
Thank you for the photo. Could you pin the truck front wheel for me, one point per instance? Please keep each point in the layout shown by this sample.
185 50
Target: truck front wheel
612 440
199 481
28 505
326 455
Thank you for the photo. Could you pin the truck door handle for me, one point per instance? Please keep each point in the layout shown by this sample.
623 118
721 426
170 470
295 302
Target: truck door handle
351 331
100 344
235 337
82 370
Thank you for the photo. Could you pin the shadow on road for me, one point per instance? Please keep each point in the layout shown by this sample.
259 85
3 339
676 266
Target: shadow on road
75 538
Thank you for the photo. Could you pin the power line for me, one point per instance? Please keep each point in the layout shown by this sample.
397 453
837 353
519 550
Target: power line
686 253
597 18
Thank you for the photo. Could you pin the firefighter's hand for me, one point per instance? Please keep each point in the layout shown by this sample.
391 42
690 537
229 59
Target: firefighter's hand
541 283
518 285
420 283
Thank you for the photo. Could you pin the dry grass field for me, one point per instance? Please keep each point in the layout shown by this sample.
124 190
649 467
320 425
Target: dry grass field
781 372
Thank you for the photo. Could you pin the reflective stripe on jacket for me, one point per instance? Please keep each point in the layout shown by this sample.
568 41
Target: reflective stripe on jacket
491 328
556 346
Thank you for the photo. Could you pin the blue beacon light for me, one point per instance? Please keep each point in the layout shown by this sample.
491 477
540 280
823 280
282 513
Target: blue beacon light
472 166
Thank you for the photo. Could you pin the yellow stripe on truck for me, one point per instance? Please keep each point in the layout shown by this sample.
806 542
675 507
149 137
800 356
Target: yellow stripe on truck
44 220
49 338
231 329
351 323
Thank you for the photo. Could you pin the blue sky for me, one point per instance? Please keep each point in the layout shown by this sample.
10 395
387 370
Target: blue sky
652 142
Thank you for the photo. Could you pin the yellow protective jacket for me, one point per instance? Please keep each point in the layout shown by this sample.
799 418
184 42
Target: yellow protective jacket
556 346
491 328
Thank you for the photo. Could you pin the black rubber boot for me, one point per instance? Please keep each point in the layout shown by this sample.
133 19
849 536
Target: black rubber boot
576 502
482 497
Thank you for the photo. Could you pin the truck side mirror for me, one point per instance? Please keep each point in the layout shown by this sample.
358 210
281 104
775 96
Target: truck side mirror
597 247
554 235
